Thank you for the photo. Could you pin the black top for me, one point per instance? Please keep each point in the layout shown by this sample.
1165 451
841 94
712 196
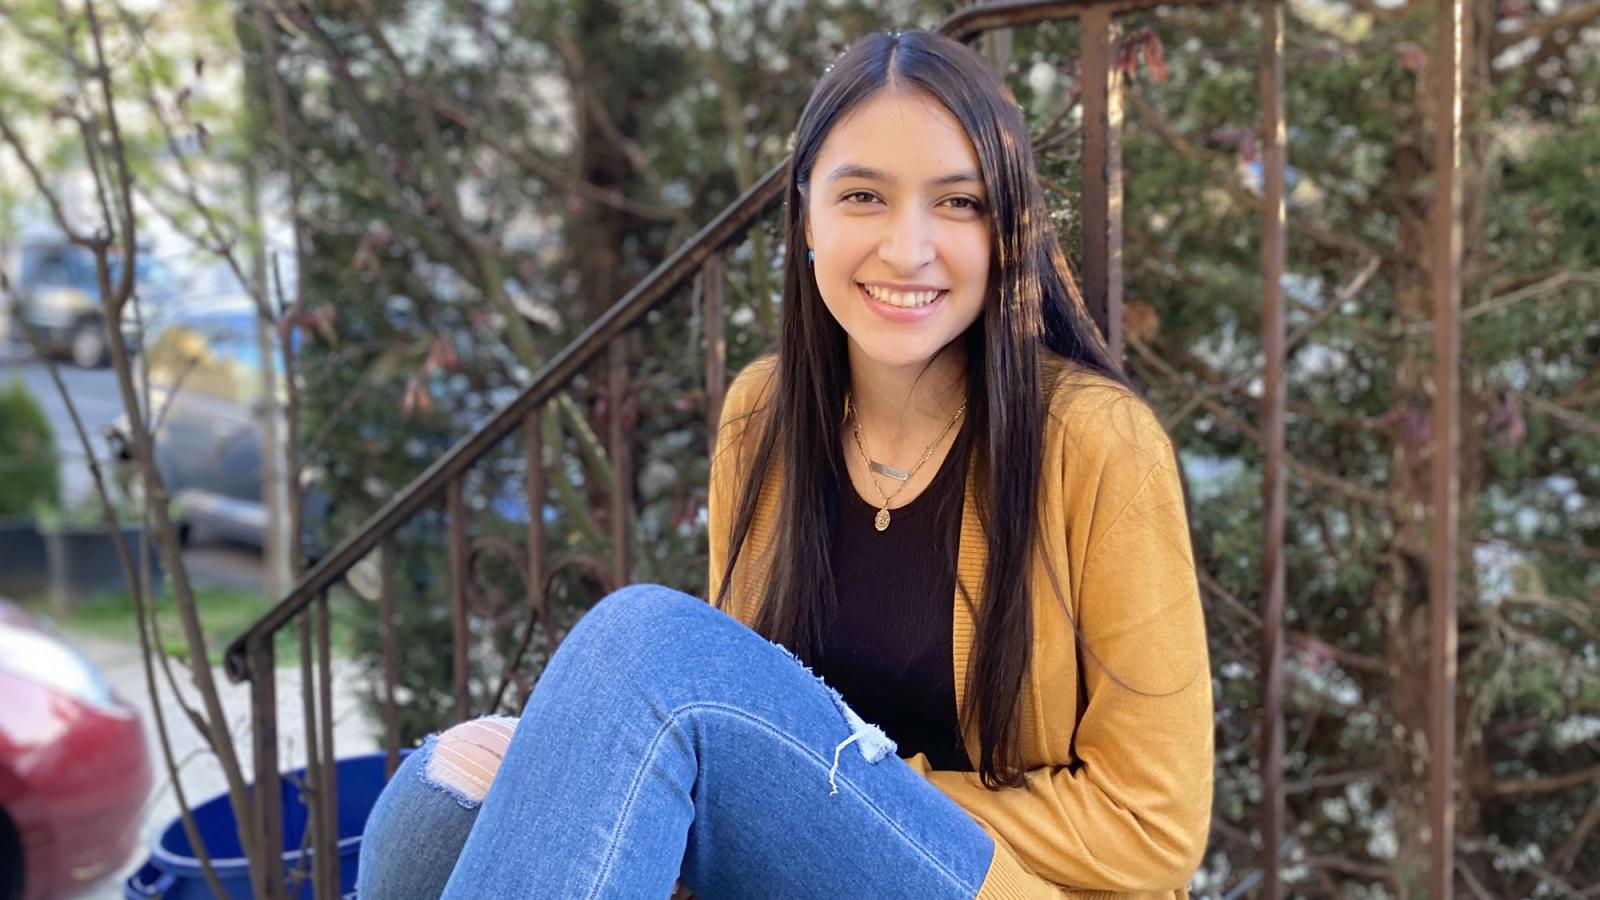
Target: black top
887 647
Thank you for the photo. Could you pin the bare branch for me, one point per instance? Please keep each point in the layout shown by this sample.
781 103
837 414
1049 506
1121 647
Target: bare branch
1330 779
219 243
1566 855
1573 611
1568 416
1573 18
1493 846
1471 878
1548 784
1554 282
124 204
1541 546
37 177
1527 292
1346 866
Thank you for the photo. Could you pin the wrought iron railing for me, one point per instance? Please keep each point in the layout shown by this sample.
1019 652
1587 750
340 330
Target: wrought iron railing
251 657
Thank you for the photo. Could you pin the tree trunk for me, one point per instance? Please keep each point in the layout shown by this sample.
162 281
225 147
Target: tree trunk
600 236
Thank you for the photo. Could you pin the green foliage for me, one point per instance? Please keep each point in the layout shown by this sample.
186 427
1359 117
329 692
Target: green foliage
29 467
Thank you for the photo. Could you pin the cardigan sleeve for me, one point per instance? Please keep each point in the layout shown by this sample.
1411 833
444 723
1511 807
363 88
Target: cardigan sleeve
1131 811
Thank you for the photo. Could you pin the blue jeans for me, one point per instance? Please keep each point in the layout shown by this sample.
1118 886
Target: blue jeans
667 742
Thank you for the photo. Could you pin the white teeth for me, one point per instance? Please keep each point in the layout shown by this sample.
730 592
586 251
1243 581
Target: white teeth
905 299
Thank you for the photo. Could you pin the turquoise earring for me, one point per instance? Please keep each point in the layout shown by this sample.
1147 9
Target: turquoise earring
811 257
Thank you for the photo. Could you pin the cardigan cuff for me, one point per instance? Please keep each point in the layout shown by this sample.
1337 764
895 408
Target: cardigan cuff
1009 879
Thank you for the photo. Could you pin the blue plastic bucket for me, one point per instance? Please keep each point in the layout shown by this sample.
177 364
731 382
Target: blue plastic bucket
173 871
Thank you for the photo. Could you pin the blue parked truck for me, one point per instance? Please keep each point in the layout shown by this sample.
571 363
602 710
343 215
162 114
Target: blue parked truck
52 290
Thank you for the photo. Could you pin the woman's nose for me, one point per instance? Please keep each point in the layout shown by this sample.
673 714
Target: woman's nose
909 245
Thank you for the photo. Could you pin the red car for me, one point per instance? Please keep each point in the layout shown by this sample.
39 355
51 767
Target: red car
74 768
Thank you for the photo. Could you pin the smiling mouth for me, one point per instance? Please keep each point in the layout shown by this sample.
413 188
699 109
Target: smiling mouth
902 299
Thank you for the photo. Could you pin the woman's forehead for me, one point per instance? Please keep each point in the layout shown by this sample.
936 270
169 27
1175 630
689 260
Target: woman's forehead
898 137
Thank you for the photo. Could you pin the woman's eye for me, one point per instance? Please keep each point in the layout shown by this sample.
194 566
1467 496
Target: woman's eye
967 203
859 197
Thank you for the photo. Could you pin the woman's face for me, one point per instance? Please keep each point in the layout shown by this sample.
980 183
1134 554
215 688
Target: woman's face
899 221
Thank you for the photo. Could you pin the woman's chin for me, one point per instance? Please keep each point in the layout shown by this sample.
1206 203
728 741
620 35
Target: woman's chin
891 354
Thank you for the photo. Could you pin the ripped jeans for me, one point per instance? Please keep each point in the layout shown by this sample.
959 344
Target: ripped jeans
667 742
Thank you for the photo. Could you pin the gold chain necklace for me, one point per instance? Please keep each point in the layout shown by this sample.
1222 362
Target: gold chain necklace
881 520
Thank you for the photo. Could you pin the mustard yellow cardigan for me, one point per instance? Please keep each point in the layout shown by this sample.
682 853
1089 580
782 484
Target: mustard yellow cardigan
1118 795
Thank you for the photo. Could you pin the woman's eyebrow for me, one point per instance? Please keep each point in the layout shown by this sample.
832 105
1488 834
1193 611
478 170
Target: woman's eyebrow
852 170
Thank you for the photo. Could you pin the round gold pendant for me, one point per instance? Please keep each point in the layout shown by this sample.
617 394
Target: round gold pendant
881 520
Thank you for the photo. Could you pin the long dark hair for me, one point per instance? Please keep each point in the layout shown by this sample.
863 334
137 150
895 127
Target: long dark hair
1032 299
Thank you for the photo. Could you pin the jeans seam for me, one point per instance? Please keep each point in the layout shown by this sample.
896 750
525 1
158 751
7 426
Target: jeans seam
735 712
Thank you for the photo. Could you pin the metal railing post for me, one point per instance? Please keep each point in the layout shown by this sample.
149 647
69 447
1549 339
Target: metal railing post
1102 175
1274 409
716 346
267 794
456 511
621 449
1446 212
536 488
391 659
327 811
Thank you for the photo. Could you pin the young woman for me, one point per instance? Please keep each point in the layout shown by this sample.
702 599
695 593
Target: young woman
941 496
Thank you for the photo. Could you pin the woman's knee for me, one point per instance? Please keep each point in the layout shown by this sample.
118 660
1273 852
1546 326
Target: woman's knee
636 615
421 821
464 760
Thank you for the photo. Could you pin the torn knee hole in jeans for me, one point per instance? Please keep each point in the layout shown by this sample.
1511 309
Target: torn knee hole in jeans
869 738
463 761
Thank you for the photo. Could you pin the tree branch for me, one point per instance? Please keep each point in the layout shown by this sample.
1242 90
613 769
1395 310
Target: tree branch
37 177
1541 546
1548 784
1570 417
1573 18
124 176
1554 282
1566 855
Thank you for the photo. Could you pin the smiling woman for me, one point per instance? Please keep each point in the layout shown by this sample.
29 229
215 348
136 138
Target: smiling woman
990 680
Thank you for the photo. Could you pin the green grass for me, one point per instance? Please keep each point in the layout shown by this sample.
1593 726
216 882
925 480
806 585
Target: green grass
224 615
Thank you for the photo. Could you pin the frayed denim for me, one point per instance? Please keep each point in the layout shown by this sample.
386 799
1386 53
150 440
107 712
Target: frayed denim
667 742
